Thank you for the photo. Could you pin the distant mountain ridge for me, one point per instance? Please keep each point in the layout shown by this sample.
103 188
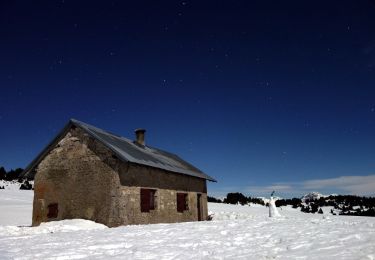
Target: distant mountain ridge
312 196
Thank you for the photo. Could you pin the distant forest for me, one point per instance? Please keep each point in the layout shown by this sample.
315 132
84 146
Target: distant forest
342 204
14 175
10 175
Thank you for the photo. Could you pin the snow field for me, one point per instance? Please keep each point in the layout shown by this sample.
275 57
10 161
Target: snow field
237 232
15 207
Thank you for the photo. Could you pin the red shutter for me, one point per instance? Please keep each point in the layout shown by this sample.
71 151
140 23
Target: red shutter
145 200
152 199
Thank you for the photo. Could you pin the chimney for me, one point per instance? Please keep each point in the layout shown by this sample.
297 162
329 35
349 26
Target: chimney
140 136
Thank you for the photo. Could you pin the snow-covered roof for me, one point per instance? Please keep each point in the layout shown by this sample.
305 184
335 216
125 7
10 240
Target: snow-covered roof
129 151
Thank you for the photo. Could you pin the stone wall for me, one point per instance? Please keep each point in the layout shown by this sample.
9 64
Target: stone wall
166 207
75 178
86 180
167 184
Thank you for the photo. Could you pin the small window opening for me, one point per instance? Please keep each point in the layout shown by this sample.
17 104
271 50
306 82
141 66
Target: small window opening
182 202
148 200
53 210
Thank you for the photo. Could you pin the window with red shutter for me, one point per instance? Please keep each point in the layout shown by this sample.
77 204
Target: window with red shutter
145 204
148 200
53 210
182 202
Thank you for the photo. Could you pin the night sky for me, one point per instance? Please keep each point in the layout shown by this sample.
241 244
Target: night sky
261 95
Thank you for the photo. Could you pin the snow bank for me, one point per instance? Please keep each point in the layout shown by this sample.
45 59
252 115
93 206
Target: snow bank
69 225
10 185
220 211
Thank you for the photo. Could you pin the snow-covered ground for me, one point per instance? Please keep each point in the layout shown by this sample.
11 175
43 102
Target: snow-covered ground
10 185
15 206
237 232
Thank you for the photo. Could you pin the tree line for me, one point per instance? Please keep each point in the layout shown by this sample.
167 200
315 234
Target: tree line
14 175
10 175
236 198
342 204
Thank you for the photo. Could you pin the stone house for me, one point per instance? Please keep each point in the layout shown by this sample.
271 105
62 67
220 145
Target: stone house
89 173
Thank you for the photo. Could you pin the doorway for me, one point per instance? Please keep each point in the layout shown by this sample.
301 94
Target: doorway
199 207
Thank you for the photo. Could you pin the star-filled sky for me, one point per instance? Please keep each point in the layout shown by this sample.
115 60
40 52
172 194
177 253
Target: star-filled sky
262 95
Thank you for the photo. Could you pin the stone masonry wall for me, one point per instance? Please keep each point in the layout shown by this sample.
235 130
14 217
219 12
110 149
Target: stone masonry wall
75 178
166 207
133 176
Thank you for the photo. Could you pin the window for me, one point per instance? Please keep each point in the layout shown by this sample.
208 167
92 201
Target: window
148 200
53 210
182 202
